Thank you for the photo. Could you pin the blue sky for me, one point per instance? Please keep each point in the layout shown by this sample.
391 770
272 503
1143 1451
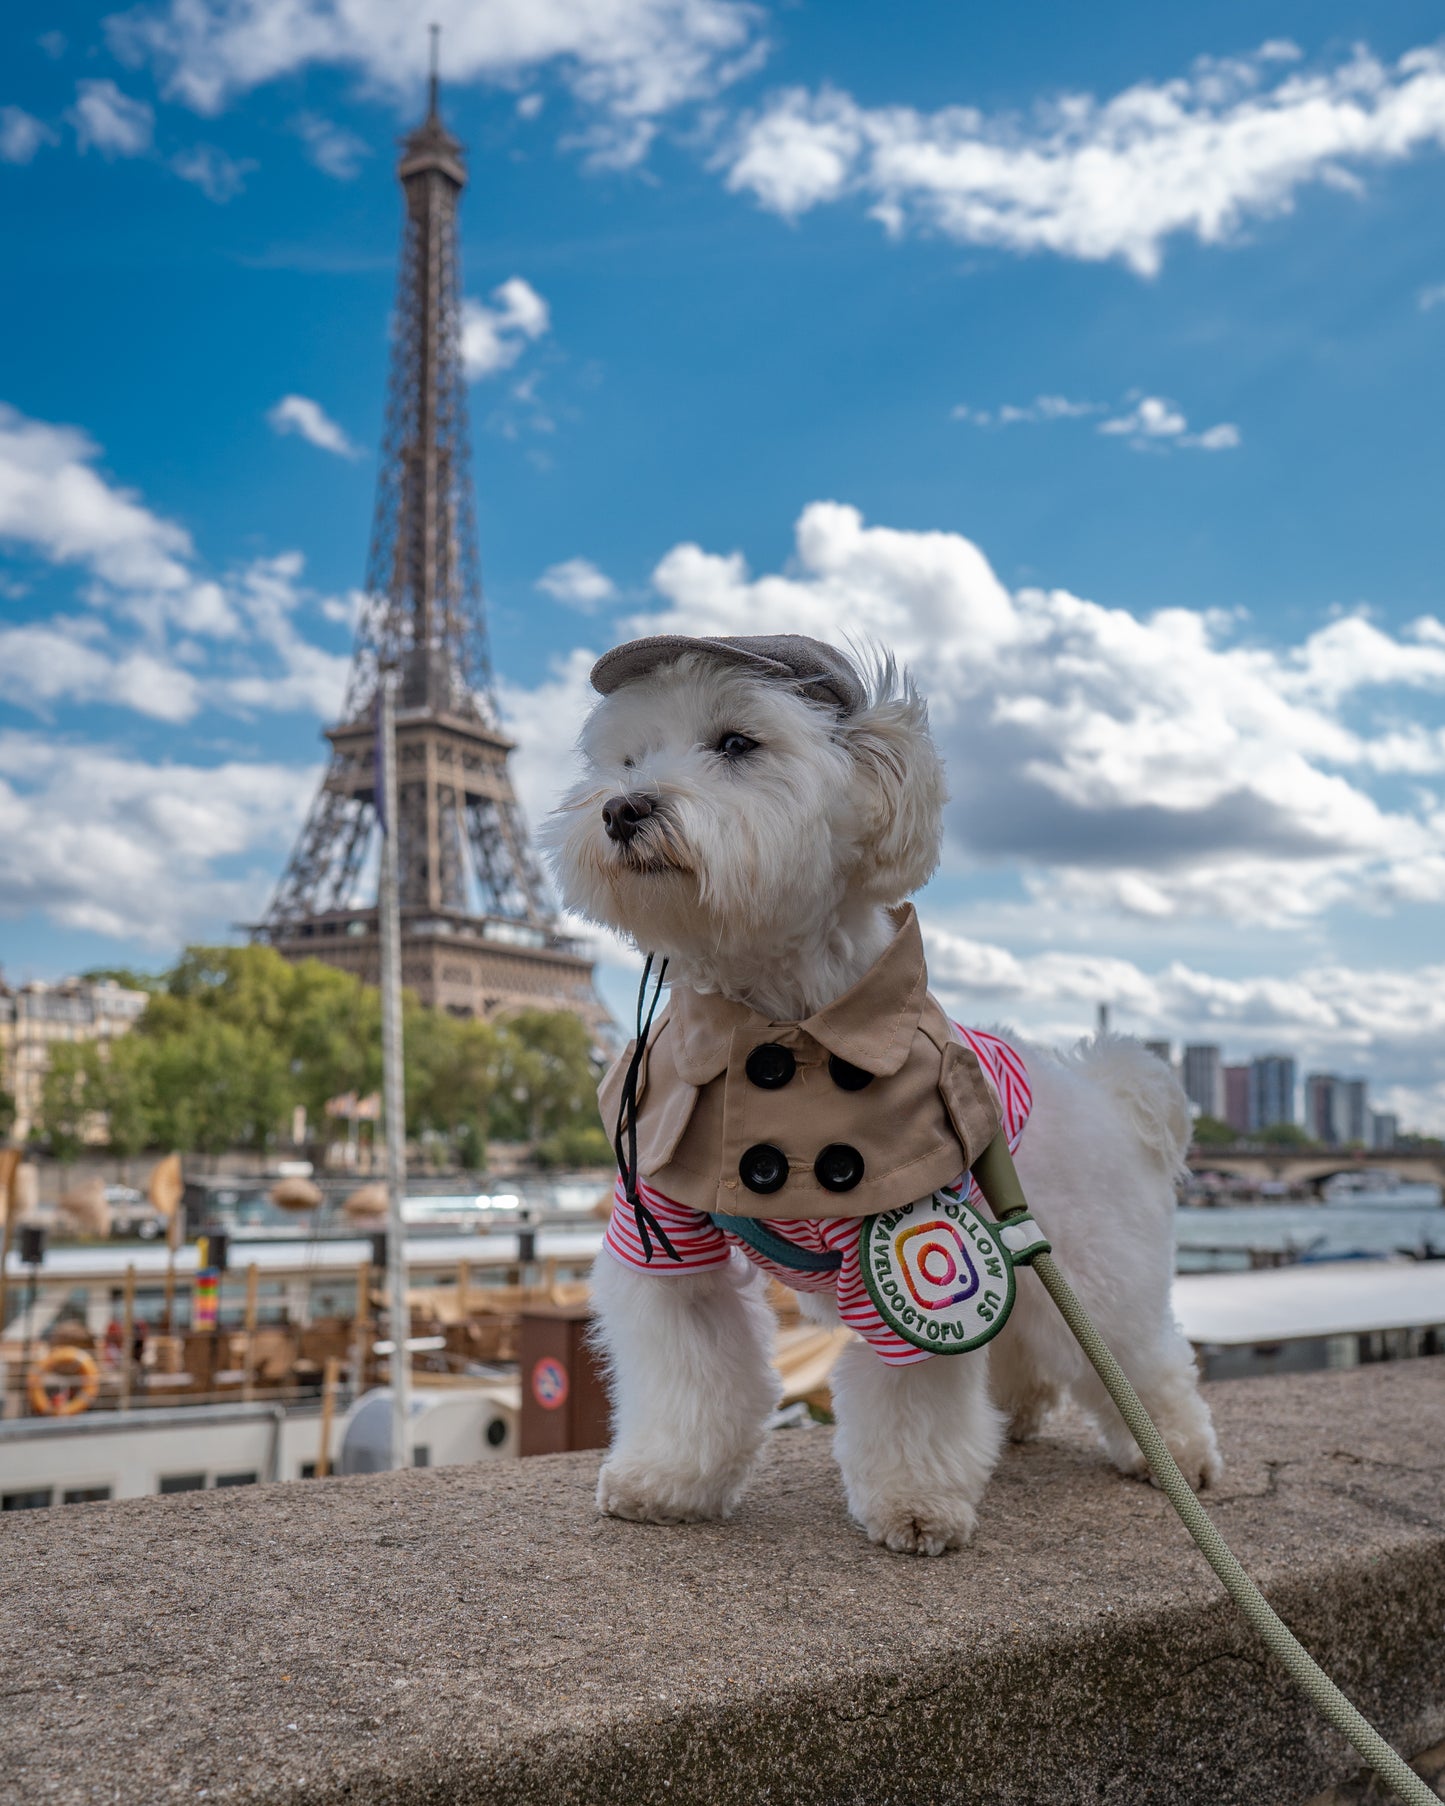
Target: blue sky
1098 368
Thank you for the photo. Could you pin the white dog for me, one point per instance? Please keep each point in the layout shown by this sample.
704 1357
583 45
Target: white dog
744 825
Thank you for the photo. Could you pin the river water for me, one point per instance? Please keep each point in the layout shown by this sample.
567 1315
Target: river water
1219 1238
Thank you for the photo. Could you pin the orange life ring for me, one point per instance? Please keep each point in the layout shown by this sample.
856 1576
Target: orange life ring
64 1363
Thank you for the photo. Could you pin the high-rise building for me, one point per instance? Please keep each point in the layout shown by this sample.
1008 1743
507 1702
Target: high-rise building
479 931
1236 1099
1204 1078
1324 1108
1161 1050
1384 1129
1355 1111
1271 1090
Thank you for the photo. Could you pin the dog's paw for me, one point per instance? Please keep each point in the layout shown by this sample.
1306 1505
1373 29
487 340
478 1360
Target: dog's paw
647 1494
1198 1461
917 1529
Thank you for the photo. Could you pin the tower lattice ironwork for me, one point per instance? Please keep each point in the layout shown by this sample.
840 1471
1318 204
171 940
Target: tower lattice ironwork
479 933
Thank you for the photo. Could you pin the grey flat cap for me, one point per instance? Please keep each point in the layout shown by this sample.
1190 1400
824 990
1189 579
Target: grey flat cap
812 668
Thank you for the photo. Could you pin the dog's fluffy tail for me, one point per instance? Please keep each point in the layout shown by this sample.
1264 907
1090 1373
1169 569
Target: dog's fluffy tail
1146 1090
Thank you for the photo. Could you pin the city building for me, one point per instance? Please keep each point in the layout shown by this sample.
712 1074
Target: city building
1355 1099
1324 1108
1204 1078
1236 1099
34 1016
1384 1129
1271 1090
1161 1050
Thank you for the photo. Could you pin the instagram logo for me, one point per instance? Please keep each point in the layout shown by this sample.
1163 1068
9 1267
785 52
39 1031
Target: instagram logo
934 1262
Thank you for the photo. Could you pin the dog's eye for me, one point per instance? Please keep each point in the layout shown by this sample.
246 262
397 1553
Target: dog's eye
733 746
627 764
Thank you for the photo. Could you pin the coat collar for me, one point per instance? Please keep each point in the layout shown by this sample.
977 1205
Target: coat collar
872 1025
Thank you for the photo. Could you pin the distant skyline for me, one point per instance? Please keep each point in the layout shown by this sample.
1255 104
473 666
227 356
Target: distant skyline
1099 372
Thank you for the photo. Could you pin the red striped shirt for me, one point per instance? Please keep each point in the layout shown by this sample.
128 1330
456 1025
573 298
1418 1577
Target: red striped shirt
700 1244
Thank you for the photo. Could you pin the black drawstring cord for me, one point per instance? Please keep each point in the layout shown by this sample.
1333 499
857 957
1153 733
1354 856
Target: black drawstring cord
627 1113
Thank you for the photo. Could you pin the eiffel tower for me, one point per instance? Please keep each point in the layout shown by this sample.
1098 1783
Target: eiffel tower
479 933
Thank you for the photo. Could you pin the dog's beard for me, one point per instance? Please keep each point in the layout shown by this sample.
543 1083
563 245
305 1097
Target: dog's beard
657 847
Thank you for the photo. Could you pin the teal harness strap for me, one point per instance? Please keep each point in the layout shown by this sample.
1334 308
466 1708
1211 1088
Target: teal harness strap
774 1248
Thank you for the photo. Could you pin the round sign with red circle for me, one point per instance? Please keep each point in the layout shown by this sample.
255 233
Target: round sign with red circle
549 1383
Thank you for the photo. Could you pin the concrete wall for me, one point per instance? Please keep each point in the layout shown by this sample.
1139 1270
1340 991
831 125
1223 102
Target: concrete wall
478 1635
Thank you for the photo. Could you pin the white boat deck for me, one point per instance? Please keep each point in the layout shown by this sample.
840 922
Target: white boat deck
1287 1304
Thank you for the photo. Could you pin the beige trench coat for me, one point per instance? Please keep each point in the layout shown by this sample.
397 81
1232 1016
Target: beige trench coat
865 1106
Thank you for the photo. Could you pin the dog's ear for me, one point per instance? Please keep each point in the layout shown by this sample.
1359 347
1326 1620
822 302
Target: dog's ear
901 785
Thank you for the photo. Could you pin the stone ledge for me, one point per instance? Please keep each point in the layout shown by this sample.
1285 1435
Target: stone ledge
479 1635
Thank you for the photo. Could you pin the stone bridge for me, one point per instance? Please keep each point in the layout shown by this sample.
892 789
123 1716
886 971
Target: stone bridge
1310 1166
478 1635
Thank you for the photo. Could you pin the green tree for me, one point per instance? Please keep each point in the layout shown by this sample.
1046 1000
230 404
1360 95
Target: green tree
1283 1135
233 1038
452 1072
546 1079
120 1087
68 1096
126 977
1210 1132
7 1113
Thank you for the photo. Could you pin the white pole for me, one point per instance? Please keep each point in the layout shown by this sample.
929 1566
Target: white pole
389 912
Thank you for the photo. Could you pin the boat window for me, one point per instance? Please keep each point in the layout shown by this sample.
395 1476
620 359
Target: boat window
236 1479
37 1499
84 1495
182 1483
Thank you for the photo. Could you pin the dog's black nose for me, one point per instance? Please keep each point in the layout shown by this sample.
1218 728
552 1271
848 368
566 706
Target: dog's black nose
622 816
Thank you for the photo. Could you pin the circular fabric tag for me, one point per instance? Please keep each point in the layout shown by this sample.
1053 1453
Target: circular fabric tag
938 1274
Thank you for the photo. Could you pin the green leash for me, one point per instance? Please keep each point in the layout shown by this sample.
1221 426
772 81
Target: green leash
999 1183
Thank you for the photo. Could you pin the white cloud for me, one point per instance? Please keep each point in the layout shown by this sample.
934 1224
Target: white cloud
578 583
530 106
51 661
299 414
1433 296
494 337
54 503
290 673
1150 418
1152 422
218 176
1224 437
21 135
1233 140
109 121
334 150
1041 408
1149 423
627 62
545 722
1384 1020
1157 768
111 845
140 646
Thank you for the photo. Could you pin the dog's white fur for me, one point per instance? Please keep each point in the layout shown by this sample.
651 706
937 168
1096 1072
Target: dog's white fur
765 877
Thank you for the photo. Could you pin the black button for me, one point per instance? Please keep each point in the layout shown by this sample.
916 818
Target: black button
838 1167
764 1168
770 1066
846 1076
